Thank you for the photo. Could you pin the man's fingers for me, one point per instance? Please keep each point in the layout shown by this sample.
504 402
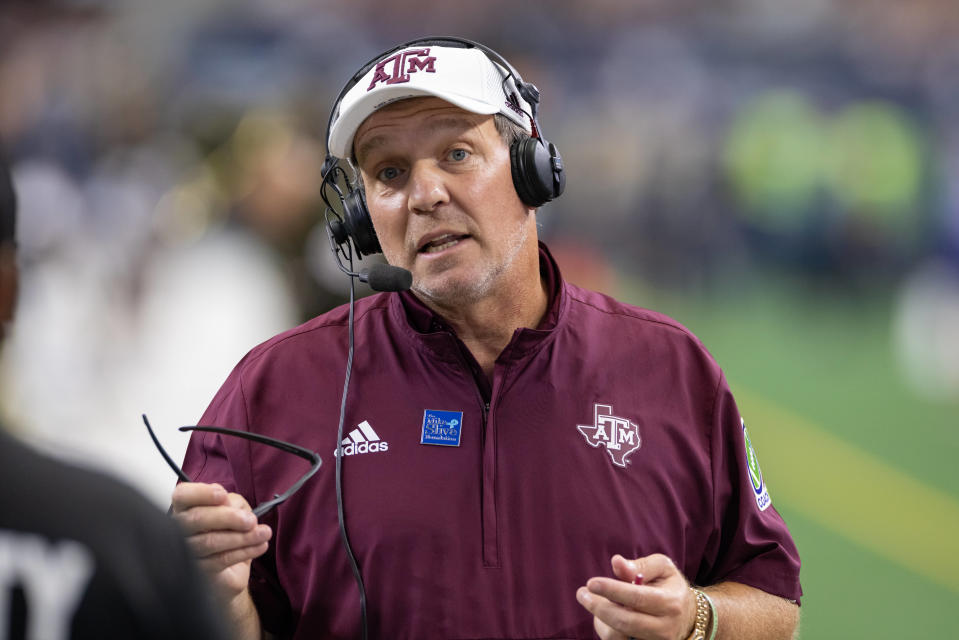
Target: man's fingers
220 518
195 494
648 600
654 567
211 543
626 569
225 560
604 631
619 618
238 501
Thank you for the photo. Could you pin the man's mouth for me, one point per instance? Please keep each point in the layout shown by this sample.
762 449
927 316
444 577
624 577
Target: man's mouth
441 243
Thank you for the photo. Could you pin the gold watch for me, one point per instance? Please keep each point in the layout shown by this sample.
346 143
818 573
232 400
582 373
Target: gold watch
703 616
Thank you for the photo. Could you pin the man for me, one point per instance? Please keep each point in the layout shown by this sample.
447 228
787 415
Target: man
529 459
82 556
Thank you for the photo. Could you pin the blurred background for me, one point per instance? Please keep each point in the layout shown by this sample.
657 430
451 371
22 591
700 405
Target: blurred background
781 177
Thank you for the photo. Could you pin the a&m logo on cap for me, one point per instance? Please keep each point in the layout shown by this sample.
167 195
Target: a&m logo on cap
620 436
401 65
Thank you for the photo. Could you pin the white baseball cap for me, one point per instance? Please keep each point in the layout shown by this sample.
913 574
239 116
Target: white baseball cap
465 77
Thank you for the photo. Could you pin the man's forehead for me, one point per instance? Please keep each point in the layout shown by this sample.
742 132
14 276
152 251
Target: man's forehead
427 112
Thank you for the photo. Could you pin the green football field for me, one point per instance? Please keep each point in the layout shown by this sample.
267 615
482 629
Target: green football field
863 470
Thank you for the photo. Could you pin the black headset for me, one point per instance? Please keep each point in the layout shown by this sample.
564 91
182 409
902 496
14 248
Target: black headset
535 163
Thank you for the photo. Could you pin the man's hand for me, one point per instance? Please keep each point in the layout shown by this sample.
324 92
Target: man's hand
662 608
222 532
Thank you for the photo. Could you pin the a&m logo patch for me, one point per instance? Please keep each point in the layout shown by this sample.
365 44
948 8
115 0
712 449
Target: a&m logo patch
619 435
760 491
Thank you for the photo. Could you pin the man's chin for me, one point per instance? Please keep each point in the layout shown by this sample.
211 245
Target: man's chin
449 289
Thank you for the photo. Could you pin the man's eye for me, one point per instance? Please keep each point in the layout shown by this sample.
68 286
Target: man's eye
458 155
389 173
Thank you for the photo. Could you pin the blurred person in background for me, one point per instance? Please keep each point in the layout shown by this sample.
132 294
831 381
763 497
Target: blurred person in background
9 275
82 555
477 393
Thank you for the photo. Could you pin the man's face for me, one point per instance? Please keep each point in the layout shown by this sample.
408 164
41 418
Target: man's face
441 196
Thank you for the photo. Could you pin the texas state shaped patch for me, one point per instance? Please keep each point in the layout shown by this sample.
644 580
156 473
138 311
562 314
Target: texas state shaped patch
619 435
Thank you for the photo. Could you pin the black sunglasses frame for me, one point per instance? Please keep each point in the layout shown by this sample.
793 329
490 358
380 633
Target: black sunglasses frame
311 456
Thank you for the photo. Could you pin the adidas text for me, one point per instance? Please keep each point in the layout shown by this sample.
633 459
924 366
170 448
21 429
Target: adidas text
363 447
363 439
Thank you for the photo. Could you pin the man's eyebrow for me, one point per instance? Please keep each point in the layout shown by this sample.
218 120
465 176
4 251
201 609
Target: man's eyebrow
369 145
450 122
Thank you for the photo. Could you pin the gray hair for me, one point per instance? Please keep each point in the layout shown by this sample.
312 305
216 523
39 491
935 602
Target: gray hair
508 130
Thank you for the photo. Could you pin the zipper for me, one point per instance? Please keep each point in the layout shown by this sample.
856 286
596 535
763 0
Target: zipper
490 530
488 523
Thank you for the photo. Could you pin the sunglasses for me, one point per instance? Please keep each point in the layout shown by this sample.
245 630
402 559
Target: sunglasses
311 456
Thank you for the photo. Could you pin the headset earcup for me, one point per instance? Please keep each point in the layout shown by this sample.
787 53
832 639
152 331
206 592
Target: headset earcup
537 171
356 219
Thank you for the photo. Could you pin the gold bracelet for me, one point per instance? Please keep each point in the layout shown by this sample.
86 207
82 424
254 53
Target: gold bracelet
701 624
714 617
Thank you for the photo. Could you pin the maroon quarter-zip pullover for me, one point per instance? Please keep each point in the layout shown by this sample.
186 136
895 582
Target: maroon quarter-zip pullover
608 429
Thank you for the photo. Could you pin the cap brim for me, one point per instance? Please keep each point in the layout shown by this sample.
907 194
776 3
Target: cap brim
344 129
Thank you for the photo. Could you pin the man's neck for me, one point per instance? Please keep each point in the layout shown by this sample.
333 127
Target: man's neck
487 325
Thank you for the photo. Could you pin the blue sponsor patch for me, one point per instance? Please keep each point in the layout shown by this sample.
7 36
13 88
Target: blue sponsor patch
442 427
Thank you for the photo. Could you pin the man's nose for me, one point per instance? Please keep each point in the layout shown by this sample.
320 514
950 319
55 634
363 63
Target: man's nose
427 188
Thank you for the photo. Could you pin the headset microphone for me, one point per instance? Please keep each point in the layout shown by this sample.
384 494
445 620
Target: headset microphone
386 277
380 276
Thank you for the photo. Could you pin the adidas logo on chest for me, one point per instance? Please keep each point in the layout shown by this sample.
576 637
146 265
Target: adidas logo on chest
363 439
